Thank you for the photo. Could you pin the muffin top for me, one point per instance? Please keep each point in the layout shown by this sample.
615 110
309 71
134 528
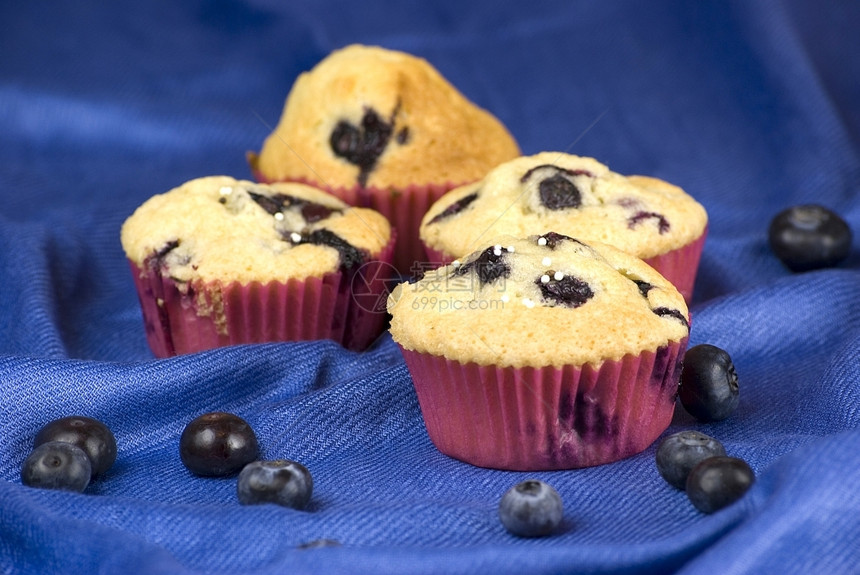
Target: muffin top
548 300
379 118
220 228
571 195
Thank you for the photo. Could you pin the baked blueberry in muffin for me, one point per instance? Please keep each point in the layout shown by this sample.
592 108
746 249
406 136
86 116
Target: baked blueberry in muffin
382 129
221 261
542 353
577 196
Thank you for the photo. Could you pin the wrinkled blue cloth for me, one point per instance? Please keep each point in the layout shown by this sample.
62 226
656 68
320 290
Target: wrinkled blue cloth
749 106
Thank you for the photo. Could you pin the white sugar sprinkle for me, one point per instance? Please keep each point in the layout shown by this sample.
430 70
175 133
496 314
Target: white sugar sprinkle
544 279
511 249
279 216
497 251
225 190
541 241
296 237
528 303
547 261
456 263
559 276
505 298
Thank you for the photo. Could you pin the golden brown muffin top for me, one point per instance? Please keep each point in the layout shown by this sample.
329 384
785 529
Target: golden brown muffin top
380 118
569 194
548 300
220 228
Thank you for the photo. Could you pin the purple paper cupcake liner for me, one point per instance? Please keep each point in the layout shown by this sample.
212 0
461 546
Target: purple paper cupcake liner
530 419
347 307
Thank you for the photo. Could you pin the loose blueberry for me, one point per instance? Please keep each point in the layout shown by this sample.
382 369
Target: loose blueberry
680 452
709 384
89 434
531 508
57 465
362 145
217 444
283 482
490 265
809 237
568 291
717 482
455 208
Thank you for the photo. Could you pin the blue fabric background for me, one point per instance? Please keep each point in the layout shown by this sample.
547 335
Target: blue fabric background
750 106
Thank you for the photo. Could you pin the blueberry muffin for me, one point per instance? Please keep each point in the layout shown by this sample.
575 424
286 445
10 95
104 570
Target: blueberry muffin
542 353
647 217
219 261
382 129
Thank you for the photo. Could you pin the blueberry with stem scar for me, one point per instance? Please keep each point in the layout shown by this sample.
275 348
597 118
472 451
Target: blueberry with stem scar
531 508
57 465
91 435
709 383
809 237
681 452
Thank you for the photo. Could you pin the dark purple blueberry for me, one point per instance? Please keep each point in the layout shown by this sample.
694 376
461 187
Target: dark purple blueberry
559 193
567 291
709 384
313 212
531 508
318 543
489 266
217 444
89 434
672 313
57 465
809 237
350 256
403 136
283 482
717 482
155 260
680 452
639 217
362 145
556 190
276 203
644 288
552 239
455 208
271 204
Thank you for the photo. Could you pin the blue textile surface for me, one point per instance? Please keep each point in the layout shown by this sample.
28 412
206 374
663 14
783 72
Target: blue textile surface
749 106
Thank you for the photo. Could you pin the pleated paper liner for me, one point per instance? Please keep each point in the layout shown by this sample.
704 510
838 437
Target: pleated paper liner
345 306
531 419
679 266
404 208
